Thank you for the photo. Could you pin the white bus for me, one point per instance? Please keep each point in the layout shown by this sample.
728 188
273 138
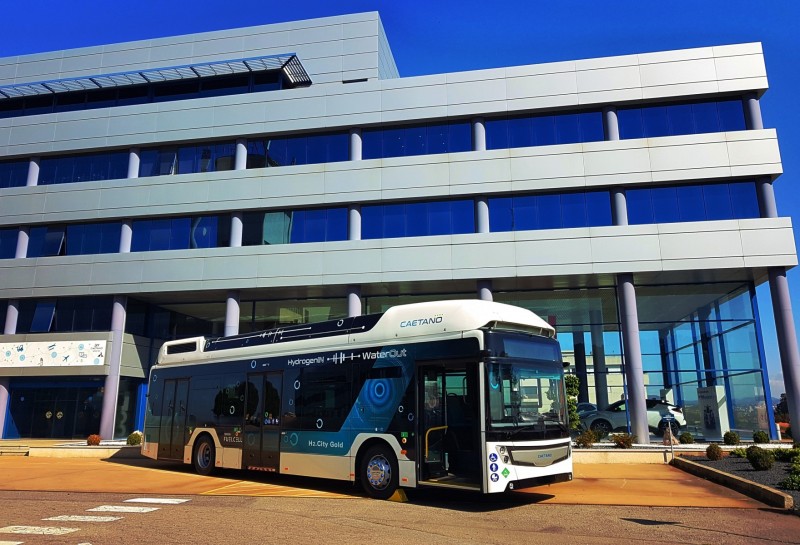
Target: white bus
460 394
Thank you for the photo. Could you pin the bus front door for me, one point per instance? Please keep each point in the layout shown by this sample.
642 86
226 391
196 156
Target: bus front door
262 425
434 425
172 436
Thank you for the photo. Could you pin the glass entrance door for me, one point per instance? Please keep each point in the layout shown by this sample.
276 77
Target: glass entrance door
262 425
172 436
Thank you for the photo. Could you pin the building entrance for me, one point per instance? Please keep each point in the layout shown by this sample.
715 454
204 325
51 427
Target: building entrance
54 412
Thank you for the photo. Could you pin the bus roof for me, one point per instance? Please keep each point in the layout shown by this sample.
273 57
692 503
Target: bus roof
399 322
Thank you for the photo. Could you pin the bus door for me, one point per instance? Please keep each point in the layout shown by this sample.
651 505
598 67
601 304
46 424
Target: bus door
449 424
172 436
262 425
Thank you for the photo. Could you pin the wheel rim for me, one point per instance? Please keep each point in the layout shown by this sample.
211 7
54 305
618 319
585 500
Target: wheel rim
204 455
379 472
602 427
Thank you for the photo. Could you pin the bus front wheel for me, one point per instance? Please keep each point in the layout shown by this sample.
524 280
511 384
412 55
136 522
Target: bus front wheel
204 456
378 473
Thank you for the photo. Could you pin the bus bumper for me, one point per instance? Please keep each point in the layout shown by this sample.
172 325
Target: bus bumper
538 481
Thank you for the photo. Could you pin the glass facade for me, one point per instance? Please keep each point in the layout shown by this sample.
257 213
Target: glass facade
65 314
422 139
279 151
13 173
683 118
187 159
89 167
260 315
418 219
93 238
294 226
692 202
8 243
543 130
181 233
550 211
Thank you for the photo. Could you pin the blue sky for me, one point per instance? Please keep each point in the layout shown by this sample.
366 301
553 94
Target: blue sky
436 36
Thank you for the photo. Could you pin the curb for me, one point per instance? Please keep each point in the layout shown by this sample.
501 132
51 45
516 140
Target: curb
764 494
99 452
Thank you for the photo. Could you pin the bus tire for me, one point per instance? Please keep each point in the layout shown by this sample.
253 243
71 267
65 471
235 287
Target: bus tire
204 456
378 472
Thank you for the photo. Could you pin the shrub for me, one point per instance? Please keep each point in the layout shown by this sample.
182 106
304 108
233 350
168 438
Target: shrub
794 469
760 459
750 449
93 440
714 452
792 482
586 439
623 440
686 438
731 438
760 436
786 454
135 438
739 453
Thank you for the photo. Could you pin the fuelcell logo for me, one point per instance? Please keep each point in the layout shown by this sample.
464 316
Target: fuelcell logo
422 321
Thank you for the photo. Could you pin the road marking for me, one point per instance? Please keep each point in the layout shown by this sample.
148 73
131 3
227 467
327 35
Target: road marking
38 530
123 509
83 518
167 501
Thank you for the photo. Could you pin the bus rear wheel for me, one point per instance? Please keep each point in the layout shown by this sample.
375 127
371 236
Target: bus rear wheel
204 456
378 472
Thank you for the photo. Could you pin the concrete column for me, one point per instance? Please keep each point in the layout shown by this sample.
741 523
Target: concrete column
579 353
632 352
133 163
33 172
23 237
355 145
4 399
478 134
766 198
240 160
610 123
125 237
108 415
485 290
752 112
599 359
619 207
353 300
12 316
232 313
787 341
354 222
481 215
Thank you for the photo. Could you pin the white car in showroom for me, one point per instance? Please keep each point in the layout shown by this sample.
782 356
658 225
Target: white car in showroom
660 414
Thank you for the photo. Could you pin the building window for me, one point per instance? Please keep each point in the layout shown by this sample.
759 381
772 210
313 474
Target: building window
180 233
424 139
298 150
188 159
294 226
8 243
550 211
692 202
543 130
46 241
418 219
83 168
684 118
68 314
93 238
13 173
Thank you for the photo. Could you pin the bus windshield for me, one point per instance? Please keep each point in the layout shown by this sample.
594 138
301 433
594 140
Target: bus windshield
526 394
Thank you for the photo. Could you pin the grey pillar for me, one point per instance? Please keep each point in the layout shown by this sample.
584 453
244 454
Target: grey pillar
354 222
33 172
355 145
599 359
125 237
610 123
482 215
766 198
133 163
752 113
240 160
108 415
632 351
478 135
353 300
237 229
232 313
12 316
619 207
579 354
485 290
4 397
23 236
787 341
